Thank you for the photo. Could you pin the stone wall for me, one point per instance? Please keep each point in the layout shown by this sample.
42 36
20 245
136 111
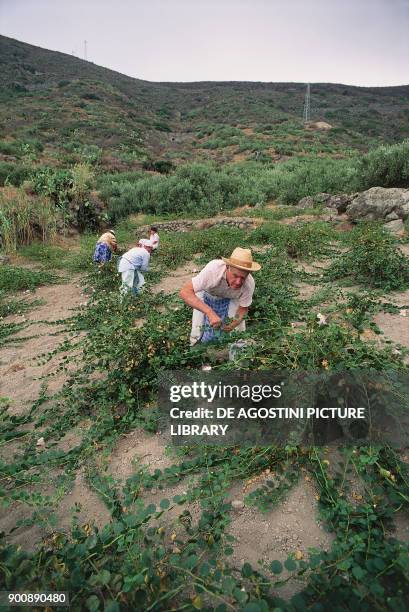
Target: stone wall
202 224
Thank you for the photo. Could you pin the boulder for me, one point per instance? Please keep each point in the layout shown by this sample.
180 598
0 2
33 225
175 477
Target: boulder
322 198
307 202
339 202
380 203
395 227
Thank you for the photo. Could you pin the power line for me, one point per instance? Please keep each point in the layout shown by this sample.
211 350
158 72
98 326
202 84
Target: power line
307 105
85 50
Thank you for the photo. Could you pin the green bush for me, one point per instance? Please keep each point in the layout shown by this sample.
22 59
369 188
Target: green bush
161 165
14 174
10 148
13 279
373 260
206 189
387 166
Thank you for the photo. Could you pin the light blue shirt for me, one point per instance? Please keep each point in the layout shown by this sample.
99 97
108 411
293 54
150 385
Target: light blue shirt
135 259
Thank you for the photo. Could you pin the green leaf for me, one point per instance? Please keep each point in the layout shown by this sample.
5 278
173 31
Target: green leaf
252 607
204 570
191 561
379 563
246 570
344 565
104 577
358 572
164 504
376 589
92 603
112 606
276 567
290 565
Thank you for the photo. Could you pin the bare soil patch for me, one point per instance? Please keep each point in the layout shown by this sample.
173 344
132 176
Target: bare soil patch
21 370
315 267
395 327
292 526
138 447
91 509
176 280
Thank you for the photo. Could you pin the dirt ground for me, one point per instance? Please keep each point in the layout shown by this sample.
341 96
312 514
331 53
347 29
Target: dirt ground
21 365
292 527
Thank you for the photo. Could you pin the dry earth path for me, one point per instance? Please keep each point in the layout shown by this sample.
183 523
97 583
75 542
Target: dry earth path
21 368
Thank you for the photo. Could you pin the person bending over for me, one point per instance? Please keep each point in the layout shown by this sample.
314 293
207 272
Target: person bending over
223 289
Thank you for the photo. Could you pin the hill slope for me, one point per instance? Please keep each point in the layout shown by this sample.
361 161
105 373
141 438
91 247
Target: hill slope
60 110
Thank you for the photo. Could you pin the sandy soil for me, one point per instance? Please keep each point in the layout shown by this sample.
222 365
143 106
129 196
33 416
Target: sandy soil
21 368
176 280
292 526
395 327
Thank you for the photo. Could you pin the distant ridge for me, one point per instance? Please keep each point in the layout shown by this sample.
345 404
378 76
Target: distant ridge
63 102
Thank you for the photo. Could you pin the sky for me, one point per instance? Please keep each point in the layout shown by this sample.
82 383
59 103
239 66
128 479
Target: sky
356 42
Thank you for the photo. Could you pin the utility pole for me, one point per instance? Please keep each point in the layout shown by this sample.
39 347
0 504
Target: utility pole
307 105
85 50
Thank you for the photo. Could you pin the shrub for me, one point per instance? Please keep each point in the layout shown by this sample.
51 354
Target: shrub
23 218
373 260
162 127
386 166
207 189
162 166
10 148
13 279
13 174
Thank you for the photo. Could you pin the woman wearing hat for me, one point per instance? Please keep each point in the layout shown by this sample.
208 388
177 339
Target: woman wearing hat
104 247
223 289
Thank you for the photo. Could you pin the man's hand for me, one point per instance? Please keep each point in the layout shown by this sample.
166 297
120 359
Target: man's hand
232 325
214 320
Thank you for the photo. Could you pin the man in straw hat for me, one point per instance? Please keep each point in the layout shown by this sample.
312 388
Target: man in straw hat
224 288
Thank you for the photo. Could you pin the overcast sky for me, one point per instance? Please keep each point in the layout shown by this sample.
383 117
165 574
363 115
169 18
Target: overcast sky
359 42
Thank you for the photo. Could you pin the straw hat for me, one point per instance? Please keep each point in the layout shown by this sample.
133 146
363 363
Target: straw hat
242 259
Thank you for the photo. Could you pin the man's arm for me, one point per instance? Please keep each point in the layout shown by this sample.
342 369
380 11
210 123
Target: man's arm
188 295
239 316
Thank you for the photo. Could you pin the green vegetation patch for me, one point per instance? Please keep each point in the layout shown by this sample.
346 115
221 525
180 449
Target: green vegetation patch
13 278
373 260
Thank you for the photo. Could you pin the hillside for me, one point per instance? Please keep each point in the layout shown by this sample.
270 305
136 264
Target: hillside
58 110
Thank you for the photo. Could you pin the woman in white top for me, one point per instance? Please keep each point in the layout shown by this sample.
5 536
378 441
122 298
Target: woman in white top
154 238
132 264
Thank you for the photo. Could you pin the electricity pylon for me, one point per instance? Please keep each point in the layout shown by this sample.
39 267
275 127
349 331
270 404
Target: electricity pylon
307 104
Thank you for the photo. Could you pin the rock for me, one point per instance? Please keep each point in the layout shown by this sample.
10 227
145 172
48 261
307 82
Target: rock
4 259
204 225
378 203
306 202
322 198
237 504
391 217
339 202
40 443
396 227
